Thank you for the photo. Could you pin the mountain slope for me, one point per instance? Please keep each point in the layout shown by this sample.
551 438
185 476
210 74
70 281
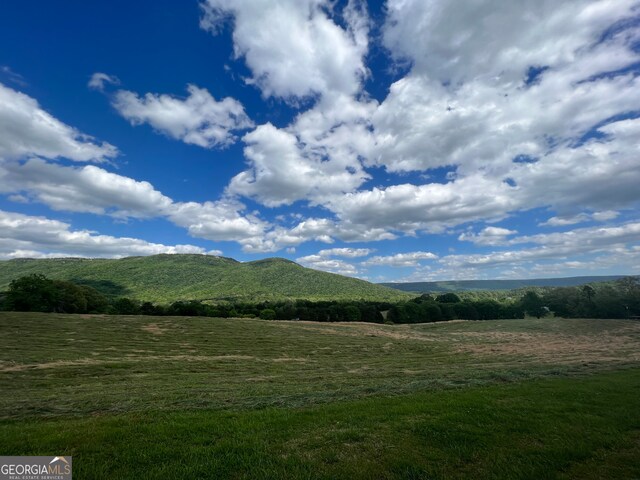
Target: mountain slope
462 285
167 278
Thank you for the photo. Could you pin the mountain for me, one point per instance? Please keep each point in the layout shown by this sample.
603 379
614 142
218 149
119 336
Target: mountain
467 285
167 278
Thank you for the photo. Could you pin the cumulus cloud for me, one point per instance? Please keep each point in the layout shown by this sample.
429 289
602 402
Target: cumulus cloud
39 237
408 259
580 218
297 49
560 245
283 172
294 48
26 130
457 42
332 265
98 81
198 119
323 260
94 190
83 189
411 208
488 236
345 252
600 174
220 221
531 112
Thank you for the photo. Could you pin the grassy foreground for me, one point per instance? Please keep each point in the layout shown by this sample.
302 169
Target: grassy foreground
147 397
586 428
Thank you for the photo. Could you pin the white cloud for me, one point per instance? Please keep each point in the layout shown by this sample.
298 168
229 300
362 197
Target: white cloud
296 49
345 252
332 265
282 172
293 47
409 259
458 41
13 77
85 189
411 208
219 221
323 261
560 245
601 174
26 130
466 105
488 236
580 218
40 237
95 190
99 79
198 119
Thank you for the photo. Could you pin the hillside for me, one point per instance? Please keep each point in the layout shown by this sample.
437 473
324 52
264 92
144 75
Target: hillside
167 278
468 285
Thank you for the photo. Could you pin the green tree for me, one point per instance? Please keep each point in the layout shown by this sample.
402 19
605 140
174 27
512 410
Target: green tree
268 314
352 313
69 298
449 297
125 306
532 304
32 293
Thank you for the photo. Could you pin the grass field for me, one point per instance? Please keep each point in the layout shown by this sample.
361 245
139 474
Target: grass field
165 397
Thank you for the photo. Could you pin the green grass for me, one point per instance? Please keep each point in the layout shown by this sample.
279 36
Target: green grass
584 428
168 278
176 397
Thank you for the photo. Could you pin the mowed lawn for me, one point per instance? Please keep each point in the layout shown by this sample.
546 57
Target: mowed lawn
178 397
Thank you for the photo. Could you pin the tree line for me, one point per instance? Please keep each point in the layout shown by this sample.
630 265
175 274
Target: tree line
620 299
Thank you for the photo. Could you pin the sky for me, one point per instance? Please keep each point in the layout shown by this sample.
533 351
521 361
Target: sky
406 140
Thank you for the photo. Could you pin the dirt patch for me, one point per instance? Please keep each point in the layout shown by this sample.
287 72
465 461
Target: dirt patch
154 329
265 378
56 364
289 359
129 358
362 369
552 347
360 329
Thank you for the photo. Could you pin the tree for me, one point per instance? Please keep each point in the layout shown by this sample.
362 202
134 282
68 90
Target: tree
431 312
96 301
352 313
69 298
268 314
465 311
125 306
33 293
532 304
449 297
488 309
588 292
37 293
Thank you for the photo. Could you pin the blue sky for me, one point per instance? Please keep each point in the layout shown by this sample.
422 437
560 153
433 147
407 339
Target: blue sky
393 141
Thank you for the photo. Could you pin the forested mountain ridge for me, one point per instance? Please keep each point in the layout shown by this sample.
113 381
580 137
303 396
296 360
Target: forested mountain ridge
167 278
469 285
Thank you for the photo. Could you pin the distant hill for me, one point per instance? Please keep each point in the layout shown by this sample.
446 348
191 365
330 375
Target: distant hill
167 278
467 285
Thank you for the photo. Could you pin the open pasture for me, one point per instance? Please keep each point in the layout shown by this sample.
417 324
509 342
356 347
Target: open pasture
262 399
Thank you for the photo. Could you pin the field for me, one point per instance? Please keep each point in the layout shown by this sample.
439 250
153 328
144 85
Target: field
176 397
